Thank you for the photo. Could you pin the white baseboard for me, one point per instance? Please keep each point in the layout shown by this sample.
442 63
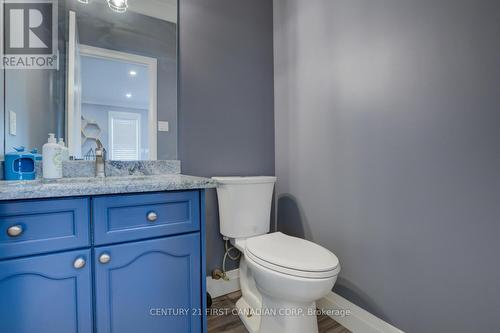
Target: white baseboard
354 318
222 287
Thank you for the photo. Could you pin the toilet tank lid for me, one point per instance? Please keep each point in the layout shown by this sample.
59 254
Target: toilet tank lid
245 180
291 252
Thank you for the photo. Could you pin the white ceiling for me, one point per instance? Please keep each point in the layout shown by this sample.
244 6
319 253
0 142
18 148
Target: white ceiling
161 9
107 82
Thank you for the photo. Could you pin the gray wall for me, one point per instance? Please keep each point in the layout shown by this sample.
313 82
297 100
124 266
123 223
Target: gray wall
226 120
28 93
387 146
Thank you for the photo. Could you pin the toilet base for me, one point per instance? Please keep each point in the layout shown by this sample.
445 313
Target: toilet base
290 317
247 316
278 316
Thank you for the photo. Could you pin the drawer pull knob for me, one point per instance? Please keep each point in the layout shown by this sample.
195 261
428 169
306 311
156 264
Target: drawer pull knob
104 258
152 216
79 263
15 231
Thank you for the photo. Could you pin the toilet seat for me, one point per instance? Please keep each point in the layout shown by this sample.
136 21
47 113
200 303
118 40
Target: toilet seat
292 256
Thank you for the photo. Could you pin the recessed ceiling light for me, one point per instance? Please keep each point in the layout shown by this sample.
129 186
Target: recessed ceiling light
128 95
132 73
84 1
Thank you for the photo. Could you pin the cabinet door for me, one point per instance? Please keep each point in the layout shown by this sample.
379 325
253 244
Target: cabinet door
46 294
150 286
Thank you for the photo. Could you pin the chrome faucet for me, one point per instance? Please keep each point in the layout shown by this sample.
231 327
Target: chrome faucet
100 160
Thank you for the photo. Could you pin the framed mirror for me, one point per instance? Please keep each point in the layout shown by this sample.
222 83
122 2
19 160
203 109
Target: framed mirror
114 79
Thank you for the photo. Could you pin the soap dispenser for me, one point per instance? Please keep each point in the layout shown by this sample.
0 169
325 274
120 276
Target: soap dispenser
52 159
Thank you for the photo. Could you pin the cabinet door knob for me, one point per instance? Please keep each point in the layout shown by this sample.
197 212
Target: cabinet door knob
104 258
15 231
79 263
152 216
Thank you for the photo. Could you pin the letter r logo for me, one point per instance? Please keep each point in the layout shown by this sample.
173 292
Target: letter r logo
18 29
28 28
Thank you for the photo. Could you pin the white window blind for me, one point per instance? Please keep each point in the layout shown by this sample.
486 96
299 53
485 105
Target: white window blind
124 136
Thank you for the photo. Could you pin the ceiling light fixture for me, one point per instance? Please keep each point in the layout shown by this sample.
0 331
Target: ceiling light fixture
132 73
128 95
119 6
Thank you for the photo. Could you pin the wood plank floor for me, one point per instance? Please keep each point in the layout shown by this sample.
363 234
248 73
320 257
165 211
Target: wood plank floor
229 323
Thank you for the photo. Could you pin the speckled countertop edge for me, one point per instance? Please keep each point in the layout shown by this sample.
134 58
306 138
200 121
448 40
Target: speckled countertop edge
74 187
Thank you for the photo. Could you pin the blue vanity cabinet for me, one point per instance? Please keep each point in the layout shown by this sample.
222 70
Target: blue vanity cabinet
152 286
46 294
121 263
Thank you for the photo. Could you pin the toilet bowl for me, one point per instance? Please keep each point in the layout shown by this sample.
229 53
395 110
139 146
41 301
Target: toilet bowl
281 277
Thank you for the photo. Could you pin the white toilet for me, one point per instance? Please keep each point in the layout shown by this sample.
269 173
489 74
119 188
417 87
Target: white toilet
281 277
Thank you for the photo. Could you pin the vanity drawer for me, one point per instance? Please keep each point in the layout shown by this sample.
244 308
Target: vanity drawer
124 218
40 226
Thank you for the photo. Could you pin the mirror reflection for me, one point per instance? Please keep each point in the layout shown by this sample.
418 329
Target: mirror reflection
115 81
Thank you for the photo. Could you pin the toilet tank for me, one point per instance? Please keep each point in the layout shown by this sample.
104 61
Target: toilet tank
244 205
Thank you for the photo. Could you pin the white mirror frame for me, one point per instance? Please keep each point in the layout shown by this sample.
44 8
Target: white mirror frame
152 64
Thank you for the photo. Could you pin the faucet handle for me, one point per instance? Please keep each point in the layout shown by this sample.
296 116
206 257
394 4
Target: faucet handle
100 159
99 144
100 151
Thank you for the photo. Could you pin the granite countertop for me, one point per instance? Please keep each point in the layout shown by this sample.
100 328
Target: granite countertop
68 187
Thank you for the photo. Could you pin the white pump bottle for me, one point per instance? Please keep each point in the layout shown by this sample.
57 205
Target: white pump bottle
52 159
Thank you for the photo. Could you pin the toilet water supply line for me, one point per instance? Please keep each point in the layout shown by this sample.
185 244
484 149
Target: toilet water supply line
228 254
